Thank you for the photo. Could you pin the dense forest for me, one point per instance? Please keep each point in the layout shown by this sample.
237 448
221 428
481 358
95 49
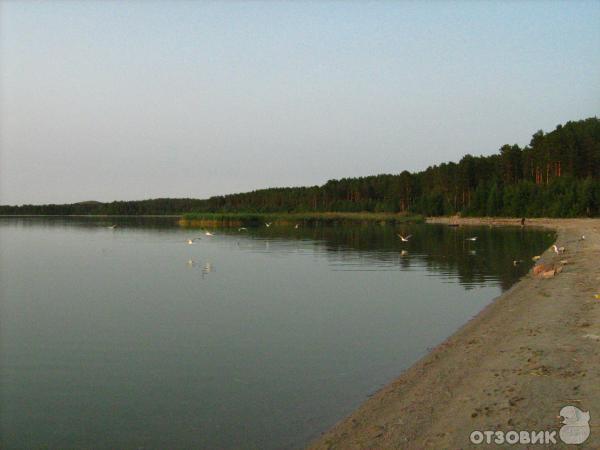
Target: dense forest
556 175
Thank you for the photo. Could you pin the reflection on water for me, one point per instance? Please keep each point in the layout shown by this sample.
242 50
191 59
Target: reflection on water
446 251
129 337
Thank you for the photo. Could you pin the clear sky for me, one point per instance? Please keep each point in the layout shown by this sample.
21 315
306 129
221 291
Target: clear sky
128 100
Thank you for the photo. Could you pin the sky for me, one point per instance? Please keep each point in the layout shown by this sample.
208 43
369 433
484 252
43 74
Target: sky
107 100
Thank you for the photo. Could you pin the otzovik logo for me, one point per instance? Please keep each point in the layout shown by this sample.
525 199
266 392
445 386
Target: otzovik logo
575 430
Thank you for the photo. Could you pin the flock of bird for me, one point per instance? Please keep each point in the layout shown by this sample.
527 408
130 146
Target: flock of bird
516 262
191 241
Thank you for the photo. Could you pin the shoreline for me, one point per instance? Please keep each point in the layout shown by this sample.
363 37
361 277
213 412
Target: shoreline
513 366
229 220
293 219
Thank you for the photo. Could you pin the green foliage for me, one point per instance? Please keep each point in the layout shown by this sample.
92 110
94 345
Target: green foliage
557 175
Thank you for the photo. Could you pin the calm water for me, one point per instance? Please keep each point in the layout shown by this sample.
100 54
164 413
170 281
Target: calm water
130 338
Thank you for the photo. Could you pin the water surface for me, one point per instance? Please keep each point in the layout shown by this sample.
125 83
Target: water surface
131 338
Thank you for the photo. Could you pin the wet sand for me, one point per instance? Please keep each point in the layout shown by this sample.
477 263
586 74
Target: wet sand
533 350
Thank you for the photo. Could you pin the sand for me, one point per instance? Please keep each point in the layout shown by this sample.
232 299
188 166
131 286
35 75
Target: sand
533 350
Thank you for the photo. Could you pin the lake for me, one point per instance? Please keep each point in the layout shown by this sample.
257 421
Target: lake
130 338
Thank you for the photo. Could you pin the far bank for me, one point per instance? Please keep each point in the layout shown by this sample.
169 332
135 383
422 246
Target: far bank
295 219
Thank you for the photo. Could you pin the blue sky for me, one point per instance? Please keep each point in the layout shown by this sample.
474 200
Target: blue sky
130 100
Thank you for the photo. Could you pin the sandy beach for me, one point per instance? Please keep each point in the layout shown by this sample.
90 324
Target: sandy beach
531 352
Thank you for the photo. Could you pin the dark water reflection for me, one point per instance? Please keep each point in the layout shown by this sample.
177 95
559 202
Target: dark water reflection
130 338
441 249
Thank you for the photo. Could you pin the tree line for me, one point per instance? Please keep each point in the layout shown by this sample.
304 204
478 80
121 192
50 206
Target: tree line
556 175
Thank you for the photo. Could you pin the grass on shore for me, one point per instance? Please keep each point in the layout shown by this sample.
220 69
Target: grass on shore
250 219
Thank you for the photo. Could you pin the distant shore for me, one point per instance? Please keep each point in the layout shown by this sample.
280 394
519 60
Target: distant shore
237 219
219 219
250 219
512 367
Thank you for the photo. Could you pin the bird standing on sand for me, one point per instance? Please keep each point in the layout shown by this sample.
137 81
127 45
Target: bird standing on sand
404 238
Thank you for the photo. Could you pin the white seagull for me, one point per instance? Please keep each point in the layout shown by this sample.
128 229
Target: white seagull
404 239
296 226
208 233
112 227
242 229
558 250
268 224
191 241
474 238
